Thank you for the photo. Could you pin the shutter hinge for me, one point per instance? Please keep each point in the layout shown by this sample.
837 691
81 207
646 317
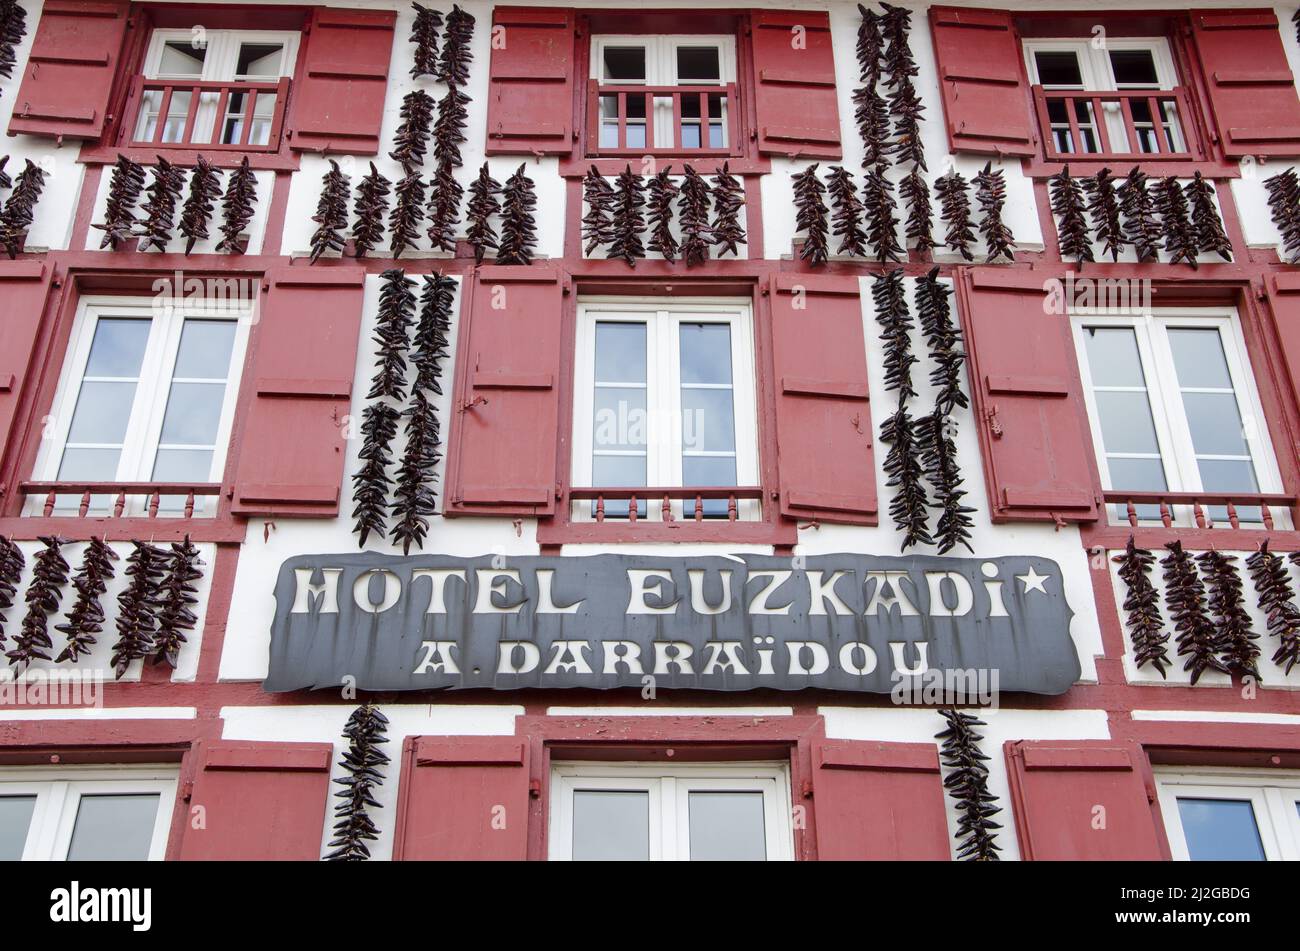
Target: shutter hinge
991 415
806 789
187 790
535 788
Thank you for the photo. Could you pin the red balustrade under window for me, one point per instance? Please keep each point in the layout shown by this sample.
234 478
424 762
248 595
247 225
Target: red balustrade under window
704 120
1075 124
237 124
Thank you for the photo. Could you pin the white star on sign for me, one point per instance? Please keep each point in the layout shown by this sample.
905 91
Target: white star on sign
1032 581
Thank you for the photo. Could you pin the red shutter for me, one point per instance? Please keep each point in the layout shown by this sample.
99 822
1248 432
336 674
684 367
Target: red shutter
1251 89
1284 303
463 798
291 446
1083 799
1038 461
24 286
530 99
338 101
258 801
794 84
503 445
879 801
823 419
69 75
981 79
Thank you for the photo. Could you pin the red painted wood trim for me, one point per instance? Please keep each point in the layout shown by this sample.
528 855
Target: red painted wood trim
911 757
311 757
436 750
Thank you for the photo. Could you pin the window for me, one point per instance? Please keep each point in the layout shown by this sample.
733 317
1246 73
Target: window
633 812
119 814
685 108
147 395
217 88
1231 815
1173 407
664 397
1101 101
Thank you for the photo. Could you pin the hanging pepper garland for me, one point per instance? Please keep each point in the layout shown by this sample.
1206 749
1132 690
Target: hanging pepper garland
445 195
954 211
939 461
11 571
363 762
370 209
968 786
177 596
13 27
411 141
125 184
598 222
1071 221
408 213
1197 638
728 200
158 214
237 208
693 217
1206 223
1141 223
882 221
1238 651
1146 625
86 618
380 418
846 212
1103 206
915 194
810 215
871 111
137 606
895 321
1284 208
1180 236
455 58
1276 596
934 313
991 195
331 213
200 200
20 208
49 575
628 221
904 101
424 34
483 204
5 180
518 226
661 192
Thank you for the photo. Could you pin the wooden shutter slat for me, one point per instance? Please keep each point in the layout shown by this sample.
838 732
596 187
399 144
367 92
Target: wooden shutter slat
985 96
795 97
463 798
24 288
881 801
1250 86
291 447
502 456
823 416
338 101
260 801
530 95
1284 306
1033 431
1083 799
68 80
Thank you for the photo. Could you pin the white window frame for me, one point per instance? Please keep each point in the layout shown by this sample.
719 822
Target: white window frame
1273 794
669 788
1173 435
663 317
58 795
144 429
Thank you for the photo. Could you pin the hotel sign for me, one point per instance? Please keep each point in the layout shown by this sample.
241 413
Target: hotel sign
836 622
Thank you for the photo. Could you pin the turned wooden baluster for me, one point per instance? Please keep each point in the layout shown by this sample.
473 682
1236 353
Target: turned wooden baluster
1232 516
189 504
119 504
699 508
49 504
631 509
1166 516
1200 514
667 509
84 507
731 508
1268 517
153 505
1132 514
600 508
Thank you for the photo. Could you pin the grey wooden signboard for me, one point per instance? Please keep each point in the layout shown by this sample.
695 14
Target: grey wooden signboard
838 622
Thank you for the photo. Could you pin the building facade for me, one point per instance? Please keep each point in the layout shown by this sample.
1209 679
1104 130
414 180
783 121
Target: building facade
672 432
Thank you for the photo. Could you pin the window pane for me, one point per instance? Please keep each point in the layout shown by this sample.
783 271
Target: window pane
610 471
635 136
180 58
89 465
118 347
182 465
708 420
1126 424
15 819
1199 358
690 135
1227 475
727 827
102 412
1220 829
1139 475
708 471
1058 69
114 827
1215 424
625 63
1133 67
706 353
621 420
193 413
620 352
205 349
698 63
1113 358
259 60
611 825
